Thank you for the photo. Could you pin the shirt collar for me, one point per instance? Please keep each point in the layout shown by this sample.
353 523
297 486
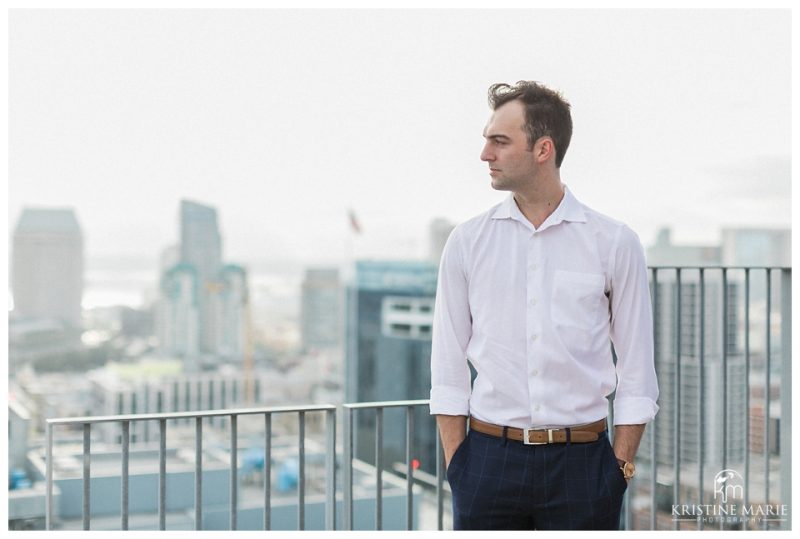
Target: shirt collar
569 209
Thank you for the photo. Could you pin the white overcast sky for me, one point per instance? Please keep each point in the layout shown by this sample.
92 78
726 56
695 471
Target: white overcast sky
284 119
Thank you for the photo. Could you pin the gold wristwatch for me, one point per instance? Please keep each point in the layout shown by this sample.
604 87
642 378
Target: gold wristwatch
628 469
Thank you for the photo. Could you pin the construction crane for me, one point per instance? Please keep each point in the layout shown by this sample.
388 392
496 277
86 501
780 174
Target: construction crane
249 375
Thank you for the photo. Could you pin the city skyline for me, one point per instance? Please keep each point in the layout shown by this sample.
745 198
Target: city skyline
133 281
285 120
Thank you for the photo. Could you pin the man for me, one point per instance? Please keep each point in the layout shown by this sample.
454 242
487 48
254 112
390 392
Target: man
530 293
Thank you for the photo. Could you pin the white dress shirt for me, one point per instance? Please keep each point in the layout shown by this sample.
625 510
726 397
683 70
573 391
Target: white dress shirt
535 312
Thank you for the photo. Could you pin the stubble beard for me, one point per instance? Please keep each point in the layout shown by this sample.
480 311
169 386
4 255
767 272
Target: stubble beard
501 183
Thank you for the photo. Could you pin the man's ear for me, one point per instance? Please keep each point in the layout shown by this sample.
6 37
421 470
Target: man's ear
544 149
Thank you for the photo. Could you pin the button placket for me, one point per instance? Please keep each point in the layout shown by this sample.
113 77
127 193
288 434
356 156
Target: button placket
534 321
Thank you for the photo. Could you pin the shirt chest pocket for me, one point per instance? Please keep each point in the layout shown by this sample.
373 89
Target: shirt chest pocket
577 299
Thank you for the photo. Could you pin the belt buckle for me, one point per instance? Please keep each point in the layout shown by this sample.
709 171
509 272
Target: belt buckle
526 439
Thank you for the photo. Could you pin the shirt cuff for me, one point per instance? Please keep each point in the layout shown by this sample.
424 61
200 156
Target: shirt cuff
449 401
634 410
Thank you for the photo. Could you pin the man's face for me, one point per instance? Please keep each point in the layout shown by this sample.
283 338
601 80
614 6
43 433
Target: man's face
512 164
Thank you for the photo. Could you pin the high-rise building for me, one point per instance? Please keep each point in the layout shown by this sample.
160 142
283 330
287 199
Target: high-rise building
704 335
201 243
388 349
230 341
666 253
438 232
322 296
47 265
757 247
201 248
202 313
178 318
698 343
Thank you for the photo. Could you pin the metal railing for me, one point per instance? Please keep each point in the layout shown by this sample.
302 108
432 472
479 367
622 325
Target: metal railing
696 350
233 415
349 421
709 346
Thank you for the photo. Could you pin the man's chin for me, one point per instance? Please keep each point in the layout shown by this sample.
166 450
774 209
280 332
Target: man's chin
500 186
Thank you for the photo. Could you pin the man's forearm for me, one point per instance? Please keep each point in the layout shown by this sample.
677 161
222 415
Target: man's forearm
626 441
453 430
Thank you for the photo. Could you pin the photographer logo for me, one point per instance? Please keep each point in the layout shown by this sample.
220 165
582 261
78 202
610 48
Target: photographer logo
728 485
728 505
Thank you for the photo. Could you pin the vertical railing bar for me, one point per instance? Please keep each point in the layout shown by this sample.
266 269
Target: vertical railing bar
145 425
439 481
234 485
785 441
162 474
301 481
625 511
653 484
348 468
409 469
198 473
747 390
124 505
48 497
378 468
677 389
724 376
330 464
267 471
655 422
86 474
767 390
724 368
701 389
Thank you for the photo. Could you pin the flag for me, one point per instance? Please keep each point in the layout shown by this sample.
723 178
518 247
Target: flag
355 226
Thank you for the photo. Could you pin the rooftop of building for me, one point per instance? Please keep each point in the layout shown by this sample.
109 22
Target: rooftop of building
48 220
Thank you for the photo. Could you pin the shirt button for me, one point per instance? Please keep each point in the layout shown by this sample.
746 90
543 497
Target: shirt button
535 372
536 408
533 302
534 337
533 267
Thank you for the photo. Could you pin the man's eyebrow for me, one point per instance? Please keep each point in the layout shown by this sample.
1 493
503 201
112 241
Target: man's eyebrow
496 137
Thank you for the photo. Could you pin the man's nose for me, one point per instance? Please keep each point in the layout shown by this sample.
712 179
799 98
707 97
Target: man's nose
485 154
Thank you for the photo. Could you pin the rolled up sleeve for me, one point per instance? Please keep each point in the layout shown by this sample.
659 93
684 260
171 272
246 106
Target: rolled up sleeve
452 329
632 333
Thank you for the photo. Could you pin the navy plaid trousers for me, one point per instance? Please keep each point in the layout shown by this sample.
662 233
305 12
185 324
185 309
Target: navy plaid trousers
501 484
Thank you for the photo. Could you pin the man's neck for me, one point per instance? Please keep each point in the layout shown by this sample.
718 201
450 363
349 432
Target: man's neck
539 201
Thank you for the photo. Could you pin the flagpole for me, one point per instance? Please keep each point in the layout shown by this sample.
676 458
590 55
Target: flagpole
354 227
348 254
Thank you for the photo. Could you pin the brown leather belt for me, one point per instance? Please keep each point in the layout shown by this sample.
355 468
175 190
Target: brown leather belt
577 434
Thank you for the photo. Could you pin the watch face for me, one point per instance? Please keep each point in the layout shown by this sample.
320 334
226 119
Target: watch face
628 470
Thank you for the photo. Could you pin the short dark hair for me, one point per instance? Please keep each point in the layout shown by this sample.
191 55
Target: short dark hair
546 112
